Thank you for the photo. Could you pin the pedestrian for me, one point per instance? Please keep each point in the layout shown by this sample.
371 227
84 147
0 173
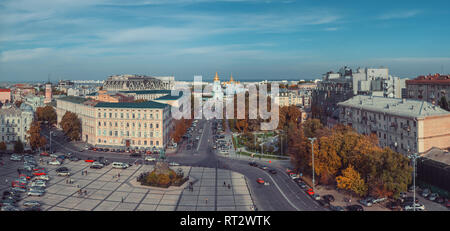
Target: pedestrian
82 173
224 184
85 192
118 174
122 199
229 186
206 201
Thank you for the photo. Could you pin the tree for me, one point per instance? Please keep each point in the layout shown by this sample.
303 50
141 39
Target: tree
327 161
71 125
311 126
443 103
34 136
46 114
18 146
2 146
351 181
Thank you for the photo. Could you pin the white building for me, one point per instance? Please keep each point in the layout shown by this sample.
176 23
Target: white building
15 122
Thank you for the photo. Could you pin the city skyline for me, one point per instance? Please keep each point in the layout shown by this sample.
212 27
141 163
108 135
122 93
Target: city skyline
250 39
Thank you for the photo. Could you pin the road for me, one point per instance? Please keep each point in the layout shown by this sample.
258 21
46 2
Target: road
282 194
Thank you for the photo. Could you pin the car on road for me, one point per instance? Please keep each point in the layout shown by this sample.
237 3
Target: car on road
174 164
324 203
32 208
136 154
97 165
54 155
354 208
36 192
9 208
149 158
44 154
302 185
260 181
18 190
410 200
89 160
120 165
74 158
263 167
272 171
54 162
394 205
254 164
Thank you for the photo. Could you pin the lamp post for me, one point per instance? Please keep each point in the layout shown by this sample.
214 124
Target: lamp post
312 154
51 133
413 157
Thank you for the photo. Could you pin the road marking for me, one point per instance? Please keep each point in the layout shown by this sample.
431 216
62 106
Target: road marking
279 189
201 138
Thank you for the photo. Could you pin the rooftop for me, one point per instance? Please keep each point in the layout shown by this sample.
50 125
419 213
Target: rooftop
431 79
147 92
438 155
146 104
401 107
170 97
74 99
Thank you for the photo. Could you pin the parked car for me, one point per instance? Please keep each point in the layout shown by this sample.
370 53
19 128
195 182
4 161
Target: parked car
447 203
310 191
324 203
378 200
36 192
54 162
135 155
39 183
254 164
150 158
19 189
54 155
74 158
410 207
119 165
174 164
42 177
63 171
426 192
354 208
329 198
394 205
440 200
96 165
433 196
89 160
410 200
44 154
315 196
272 171
32 208
302 185
336 208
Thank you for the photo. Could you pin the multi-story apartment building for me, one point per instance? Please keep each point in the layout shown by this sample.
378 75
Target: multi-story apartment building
430 88
120 125
5 96
406 126
15 123
138 83
338 87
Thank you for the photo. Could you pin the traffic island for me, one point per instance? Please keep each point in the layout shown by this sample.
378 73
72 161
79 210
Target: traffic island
163 177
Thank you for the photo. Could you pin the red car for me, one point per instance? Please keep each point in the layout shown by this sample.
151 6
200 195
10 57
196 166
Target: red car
38 169
40 173
44 154
23 175
310 192
260 180
89 160
18 184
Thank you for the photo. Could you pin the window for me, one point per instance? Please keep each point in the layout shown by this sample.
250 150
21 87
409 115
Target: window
110 115
121 115
99 116
157 125
116 133
151 125
133 116
99 123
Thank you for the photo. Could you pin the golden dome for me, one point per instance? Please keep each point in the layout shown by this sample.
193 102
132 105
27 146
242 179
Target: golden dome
231 78
216 78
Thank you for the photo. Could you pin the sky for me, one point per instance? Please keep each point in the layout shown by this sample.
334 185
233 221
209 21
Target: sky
250 39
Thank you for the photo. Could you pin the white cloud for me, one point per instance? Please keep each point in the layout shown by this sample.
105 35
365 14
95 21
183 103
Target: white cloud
399 14
23 54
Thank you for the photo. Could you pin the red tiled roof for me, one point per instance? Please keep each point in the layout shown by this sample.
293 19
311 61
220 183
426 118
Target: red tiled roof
430 79
5 90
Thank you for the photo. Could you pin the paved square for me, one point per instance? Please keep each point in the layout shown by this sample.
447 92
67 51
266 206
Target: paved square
108 192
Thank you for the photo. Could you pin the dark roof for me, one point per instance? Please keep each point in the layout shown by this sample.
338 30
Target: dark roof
170 97
146 104
148 92
73 99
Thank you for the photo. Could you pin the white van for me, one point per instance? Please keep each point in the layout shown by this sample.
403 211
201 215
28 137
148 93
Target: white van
119 165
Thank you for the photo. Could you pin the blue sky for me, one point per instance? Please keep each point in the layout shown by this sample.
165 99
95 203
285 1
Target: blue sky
252 39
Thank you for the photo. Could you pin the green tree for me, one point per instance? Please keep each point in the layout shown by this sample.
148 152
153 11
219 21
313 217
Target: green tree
71 125
443 103
18 146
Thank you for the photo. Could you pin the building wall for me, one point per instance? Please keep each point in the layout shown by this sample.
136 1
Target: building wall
14 124
436 132
5 95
